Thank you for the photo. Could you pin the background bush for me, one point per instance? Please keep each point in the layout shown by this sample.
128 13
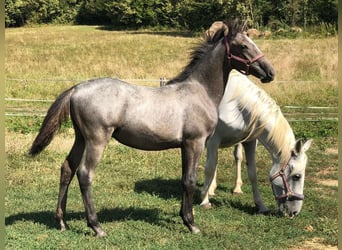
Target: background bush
194 15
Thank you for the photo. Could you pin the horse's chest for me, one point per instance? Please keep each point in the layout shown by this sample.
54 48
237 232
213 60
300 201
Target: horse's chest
232 125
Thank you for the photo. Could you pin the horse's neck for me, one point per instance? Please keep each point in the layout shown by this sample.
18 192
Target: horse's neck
278 138
213 74
263 117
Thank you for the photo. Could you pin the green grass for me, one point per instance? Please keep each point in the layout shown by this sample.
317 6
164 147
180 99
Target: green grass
137 196
136 193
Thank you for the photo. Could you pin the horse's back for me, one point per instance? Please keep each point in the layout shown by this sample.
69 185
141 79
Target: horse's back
148 118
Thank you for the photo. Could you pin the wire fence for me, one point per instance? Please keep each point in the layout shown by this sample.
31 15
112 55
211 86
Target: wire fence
22 107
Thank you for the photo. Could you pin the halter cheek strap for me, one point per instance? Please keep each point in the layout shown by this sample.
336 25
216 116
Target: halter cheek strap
289 194
244 61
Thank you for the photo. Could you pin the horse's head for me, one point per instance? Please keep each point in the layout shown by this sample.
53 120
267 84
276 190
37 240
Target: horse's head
288 182
242 53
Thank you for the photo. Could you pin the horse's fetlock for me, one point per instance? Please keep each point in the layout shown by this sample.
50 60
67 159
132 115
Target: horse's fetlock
92 221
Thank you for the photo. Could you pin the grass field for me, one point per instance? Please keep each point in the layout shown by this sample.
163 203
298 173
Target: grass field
137 193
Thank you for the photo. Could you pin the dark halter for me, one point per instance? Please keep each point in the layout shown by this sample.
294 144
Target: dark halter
289 194
246 62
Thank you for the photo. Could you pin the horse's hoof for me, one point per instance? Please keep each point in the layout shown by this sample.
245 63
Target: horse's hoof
62 226
237 192
100 234
206 205
195 230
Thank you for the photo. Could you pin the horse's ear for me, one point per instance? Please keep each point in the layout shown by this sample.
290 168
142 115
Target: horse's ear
301 147
297 148
307 145
215 31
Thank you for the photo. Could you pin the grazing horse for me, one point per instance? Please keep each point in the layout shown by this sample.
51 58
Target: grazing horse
248 114
107 108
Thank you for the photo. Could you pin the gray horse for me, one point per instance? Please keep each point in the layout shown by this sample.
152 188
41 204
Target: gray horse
104 108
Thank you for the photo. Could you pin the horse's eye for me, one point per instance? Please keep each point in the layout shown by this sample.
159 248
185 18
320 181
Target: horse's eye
244 46
296 177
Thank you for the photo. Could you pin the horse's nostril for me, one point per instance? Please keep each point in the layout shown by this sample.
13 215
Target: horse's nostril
271 74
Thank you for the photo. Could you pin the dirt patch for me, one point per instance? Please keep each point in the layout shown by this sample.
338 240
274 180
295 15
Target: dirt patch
331 151
314 244
330 183
327 182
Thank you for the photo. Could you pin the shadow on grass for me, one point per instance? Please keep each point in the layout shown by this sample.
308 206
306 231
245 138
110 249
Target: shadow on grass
42 217
105 215
148 32
165 189
241 206
235 204
170 189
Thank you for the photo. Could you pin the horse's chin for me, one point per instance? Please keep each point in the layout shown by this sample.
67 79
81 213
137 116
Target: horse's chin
262 75
285 211
266 80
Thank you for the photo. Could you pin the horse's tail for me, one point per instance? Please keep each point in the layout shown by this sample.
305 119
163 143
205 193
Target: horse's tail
57 114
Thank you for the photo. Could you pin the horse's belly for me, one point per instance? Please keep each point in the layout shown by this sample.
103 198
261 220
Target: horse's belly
146 140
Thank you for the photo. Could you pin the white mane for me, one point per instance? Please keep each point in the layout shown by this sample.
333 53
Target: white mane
261 113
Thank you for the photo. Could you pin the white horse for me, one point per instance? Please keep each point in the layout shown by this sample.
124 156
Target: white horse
248 114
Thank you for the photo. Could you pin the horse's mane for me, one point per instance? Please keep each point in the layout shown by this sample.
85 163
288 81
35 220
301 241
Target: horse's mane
263 111
196 56
207 44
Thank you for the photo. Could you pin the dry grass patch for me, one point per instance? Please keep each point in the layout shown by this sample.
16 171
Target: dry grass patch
314 244
323 180
84 52
21 143
332 151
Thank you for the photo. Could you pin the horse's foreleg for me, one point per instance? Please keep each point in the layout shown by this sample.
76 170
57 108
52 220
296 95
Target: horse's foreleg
238 161
209 185
191 153
250 148
85 173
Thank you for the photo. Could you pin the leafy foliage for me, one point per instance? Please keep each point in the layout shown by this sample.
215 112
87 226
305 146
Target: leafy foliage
186 14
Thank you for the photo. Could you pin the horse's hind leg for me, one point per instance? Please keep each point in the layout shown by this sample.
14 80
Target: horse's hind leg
68 170
191 153
238 161
85 174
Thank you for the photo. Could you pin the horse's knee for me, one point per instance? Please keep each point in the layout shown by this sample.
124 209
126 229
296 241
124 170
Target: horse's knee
84 176
190 184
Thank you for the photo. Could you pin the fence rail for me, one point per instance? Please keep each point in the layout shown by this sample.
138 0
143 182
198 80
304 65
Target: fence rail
38 107
154 80
28 107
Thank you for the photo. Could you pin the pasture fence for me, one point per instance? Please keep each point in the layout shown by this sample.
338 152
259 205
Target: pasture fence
24 107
